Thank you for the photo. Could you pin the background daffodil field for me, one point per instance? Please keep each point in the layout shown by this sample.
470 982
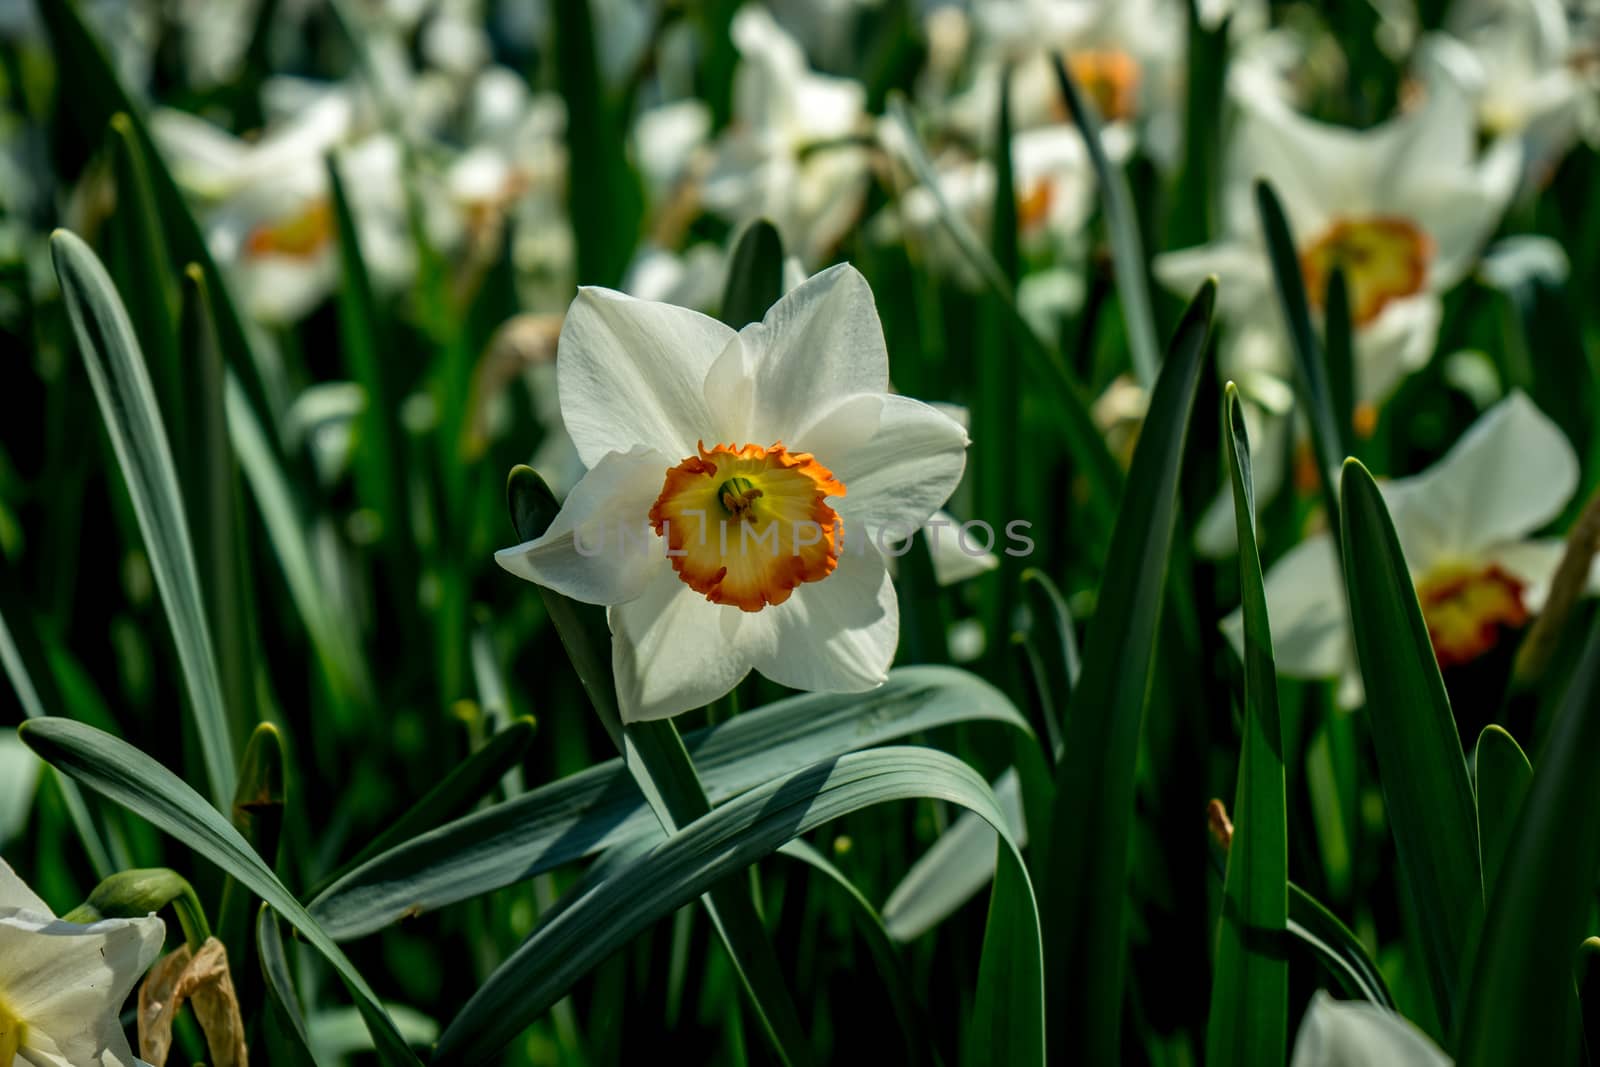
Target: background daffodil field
1173 424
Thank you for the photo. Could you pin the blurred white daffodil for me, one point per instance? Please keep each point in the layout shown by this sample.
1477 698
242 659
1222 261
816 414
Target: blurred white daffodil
1127 57
1403 209
762 552
62 984
1349 1033
265 206
1520 61
1464 526
796 151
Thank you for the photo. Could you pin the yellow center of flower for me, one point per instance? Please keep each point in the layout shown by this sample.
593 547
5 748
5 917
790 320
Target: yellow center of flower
745 526
1467 607
1033 206
1384 258
12 1032
1110 78
301 235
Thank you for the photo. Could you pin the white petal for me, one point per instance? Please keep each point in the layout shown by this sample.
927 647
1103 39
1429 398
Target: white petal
1511 473
1534 564
1305 604
955 556
67 982
14 892
632 373
1338 1033
1399 341
822 342
836 635
673 650
904 472
19 777
599 549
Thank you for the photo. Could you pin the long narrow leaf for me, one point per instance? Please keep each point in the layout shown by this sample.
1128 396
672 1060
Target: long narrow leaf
1426 791
600 807
1127 247
1501 773
133 422
1092 820
707 851
1520 1006
1250 985
121 773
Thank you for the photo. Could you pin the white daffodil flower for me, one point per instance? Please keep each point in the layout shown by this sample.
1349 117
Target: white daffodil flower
1350 1033
1524 74
265 205
1403 209
795 153
742 488
62 985
1127 57
1464 526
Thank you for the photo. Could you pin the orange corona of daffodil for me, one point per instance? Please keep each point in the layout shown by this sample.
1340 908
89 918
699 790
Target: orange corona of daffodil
741 489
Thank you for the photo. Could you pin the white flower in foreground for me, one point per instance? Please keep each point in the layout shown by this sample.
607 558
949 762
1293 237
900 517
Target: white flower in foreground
1464 527
1349 1033
740 488
62 985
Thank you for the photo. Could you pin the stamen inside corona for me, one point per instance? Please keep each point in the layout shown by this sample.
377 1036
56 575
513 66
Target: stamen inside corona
1383 258
1110 78
745 526
1467 607
298 236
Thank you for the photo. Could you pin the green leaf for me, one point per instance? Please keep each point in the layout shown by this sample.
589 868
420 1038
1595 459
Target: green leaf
210 481
377 456
126 776
960 862
1091 822
1520 1006
1420 764
913 1021
1249 1022
97 97
1064 391
1052 646
1127 248
599 808
333 636
133 422
25 664
1339 343
1328 434
611 912
605 203
258 804
755 274
1338 949
457 793
280 986
1501 773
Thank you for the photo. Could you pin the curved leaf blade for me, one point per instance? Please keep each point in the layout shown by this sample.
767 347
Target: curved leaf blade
1092 819
1520 1006
723 842
1501 772
1420 763
133 421
121 773
600 807
1248 1022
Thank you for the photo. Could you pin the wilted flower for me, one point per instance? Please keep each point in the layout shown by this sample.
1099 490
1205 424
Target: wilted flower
762 549
62 984
1464 526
